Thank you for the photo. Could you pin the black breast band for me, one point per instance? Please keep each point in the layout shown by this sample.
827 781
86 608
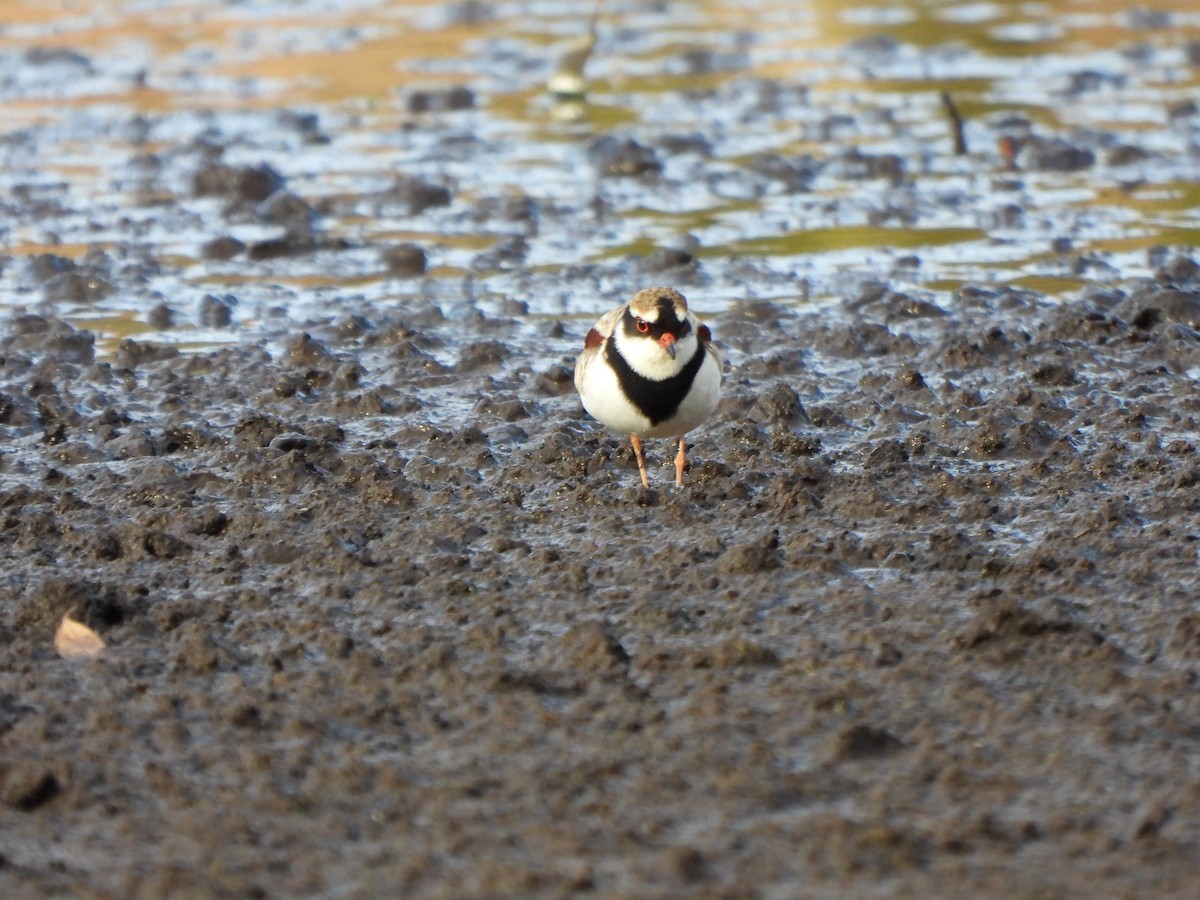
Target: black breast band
657 400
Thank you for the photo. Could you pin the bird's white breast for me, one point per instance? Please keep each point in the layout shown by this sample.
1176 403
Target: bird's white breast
605 400
699 403
602 397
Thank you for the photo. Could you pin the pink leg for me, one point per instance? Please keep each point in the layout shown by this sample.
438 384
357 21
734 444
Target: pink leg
637 451
679 464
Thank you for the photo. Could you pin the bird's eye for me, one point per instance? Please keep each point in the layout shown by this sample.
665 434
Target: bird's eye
643 326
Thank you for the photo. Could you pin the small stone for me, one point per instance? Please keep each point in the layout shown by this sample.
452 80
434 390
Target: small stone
404 260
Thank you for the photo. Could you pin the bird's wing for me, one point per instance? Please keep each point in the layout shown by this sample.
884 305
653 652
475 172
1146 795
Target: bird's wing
706 340
599 333
607 323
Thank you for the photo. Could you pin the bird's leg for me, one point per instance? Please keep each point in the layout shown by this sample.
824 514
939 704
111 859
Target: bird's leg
637 451
679 464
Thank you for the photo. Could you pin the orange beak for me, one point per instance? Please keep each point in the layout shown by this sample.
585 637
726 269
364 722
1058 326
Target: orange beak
667 342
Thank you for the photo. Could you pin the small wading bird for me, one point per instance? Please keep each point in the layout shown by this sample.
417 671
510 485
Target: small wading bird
648 370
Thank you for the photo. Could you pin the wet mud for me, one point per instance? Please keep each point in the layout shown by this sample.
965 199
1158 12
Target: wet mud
387 615
928 627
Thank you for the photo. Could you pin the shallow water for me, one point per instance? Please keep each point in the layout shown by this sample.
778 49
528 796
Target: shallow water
811 146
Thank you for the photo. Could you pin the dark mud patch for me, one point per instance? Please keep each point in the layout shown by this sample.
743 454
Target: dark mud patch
896 629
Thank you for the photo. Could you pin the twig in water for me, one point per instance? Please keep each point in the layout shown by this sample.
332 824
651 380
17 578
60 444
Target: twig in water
956 124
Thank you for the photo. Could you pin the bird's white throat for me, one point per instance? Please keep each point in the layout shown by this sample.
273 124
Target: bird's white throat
649 360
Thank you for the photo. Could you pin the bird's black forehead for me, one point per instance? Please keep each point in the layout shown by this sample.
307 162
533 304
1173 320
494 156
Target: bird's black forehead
666 312
667 318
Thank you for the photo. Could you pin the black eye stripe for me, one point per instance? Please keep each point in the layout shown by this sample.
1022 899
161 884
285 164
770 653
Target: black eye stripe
670 323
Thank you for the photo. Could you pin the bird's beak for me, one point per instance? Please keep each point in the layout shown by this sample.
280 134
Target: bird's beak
667 342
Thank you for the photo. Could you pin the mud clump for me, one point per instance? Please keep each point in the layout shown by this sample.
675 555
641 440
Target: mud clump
404 260
240 185
409 195
450 99
615 157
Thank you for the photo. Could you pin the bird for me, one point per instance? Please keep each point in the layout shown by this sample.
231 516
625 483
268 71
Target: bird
649 369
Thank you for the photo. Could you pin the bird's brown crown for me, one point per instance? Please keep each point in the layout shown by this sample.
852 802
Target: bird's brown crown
654 303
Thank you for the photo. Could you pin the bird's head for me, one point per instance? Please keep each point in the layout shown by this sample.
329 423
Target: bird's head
656 334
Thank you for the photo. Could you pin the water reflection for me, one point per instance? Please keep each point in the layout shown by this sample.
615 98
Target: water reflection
98 95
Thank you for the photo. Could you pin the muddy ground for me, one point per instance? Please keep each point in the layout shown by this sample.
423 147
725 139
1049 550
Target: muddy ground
388 616
930 629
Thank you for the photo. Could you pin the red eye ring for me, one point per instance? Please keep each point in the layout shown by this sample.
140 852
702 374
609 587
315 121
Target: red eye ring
643 326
